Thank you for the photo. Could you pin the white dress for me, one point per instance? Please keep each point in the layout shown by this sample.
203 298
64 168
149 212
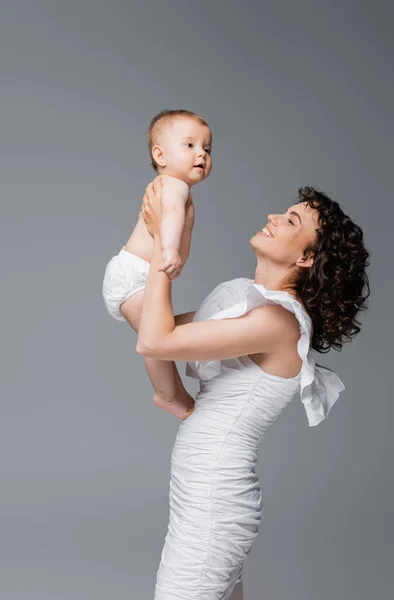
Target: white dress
215 499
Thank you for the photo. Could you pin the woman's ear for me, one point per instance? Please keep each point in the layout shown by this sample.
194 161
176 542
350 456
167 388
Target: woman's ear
159 156
305 261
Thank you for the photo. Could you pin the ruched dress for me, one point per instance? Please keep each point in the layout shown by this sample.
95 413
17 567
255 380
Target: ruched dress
215 497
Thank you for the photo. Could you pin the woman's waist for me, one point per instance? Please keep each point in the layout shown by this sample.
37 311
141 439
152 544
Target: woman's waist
214 442
202 466
253 408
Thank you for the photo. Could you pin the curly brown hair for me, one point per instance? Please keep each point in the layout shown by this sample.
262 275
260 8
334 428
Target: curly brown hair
335 288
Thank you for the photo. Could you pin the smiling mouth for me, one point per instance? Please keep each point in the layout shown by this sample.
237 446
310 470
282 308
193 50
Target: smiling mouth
266 232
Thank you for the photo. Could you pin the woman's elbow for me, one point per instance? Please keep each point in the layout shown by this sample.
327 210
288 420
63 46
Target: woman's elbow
147 351
152 351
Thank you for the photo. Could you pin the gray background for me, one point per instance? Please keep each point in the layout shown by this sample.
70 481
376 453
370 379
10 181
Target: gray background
296 93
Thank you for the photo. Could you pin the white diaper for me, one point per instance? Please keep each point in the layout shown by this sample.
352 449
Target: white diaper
125 274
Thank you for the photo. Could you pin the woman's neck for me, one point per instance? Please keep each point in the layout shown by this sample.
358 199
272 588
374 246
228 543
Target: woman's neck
273 277
270 276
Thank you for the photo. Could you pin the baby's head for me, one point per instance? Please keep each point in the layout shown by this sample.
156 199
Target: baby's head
180 145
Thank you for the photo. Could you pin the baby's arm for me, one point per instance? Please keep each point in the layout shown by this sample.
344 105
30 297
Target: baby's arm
174 199
184 250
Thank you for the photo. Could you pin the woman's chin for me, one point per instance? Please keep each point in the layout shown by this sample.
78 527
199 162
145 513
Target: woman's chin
254 240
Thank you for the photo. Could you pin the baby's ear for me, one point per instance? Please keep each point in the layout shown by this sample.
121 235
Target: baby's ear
159 156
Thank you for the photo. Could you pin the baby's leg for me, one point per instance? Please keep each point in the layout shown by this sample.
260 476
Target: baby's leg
181 404
170 393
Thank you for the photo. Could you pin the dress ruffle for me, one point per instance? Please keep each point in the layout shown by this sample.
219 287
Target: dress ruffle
319 386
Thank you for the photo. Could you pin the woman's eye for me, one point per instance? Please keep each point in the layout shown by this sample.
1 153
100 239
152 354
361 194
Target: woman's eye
290 221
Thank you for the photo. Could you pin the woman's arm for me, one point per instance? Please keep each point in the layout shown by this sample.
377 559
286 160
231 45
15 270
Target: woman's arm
131 315
184 318
261 330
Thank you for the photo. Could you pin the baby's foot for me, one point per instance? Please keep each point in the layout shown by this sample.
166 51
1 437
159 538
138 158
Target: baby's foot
181 405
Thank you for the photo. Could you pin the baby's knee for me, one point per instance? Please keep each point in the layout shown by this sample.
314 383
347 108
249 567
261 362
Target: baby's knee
131 309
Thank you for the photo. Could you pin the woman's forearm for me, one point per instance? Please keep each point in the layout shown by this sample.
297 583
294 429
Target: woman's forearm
157 317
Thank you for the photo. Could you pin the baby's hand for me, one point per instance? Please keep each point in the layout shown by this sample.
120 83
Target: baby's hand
172 263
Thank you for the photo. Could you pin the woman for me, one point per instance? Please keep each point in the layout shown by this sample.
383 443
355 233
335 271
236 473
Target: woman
249 344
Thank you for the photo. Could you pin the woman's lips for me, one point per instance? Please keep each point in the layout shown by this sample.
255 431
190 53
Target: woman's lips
270 237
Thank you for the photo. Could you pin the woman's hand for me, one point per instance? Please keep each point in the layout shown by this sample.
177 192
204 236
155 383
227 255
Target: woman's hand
151 206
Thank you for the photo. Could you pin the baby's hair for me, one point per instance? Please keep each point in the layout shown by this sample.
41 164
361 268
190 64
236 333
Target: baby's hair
167 116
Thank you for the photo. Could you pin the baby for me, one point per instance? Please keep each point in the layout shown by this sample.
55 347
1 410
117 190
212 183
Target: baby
180 149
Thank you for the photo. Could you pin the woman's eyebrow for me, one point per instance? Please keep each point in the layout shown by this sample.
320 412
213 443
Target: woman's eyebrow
293 212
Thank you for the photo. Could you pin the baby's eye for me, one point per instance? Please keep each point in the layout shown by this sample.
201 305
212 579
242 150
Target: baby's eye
189 144
207 150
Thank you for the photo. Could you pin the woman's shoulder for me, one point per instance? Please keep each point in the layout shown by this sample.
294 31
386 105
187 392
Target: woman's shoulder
284 322
224 296
232 287
241 295
239 284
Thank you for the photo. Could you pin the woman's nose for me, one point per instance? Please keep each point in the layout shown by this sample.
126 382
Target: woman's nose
272 219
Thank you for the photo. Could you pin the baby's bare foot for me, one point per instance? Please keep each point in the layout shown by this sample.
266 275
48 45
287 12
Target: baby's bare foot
181 405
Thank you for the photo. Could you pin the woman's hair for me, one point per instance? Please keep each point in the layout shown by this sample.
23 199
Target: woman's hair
335 288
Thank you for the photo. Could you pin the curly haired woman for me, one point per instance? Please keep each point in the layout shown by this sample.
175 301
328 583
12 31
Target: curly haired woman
249 344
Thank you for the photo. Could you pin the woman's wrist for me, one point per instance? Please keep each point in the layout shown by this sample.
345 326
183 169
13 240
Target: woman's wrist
157 257
156 238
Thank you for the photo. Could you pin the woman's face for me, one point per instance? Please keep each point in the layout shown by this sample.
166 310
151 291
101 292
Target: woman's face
285 236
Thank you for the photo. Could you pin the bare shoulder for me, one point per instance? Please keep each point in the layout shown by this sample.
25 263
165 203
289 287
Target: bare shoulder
283 323
172 184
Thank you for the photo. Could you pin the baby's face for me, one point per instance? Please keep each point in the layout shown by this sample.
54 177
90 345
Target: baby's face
186 146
